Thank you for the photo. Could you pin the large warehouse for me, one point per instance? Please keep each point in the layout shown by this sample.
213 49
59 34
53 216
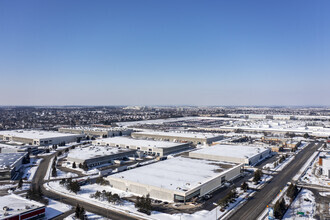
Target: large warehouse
14 207
195 138
10 165
176 180
36 137
97 131
97 155
232 153
150 147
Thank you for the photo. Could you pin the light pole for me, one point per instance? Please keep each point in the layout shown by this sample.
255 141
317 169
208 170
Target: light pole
216 210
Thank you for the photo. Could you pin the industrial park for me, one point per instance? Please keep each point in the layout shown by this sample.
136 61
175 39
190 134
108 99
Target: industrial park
206 166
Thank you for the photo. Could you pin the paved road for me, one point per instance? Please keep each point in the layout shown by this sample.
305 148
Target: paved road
256 205
223 191
38 180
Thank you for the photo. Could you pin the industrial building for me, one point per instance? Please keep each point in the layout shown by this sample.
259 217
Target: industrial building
97 131
14 207
36 137
97 155
10 165
232 153
178 179
195 138
324 162
6 148
149 147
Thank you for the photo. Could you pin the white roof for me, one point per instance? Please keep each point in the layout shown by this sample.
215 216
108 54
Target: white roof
81 128
35 134
16 205
94 152
238 151
137 142
179 173
8 159
180 134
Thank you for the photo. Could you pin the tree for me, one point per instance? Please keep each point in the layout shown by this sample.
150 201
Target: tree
279 208
306 135
292 191
85 166
73 186
78 140
257 176
80 212
20 183
245 186
74 165
143 204
54 172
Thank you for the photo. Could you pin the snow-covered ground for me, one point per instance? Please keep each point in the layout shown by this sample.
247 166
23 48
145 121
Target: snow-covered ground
8 187
304 203
279 167
312 176
61 174
90 216
261 183
31 168
56 208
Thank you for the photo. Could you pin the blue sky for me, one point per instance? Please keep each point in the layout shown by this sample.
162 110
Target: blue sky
153 52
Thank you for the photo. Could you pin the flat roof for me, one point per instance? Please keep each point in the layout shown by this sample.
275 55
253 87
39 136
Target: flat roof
179 173
35 134
16 205
139 143
8 159
90 152
179 134
238 151
86 128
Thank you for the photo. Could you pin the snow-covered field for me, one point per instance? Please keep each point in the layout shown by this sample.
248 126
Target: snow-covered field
56 208
304 203
90 216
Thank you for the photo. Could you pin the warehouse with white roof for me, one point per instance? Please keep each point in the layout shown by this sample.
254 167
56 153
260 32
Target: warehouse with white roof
195 138
10 165
97 131
16 207
248 155
149 147
98 155
176 180
36 137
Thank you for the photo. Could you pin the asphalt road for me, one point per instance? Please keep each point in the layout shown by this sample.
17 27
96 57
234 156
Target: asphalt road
256 205
38 180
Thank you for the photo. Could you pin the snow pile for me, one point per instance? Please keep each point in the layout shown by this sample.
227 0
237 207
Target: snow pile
304 204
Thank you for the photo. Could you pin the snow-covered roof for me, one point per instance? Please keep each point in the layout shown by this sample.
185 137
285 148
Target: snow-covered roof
16 205
101 129
238 151
137 142
179 134
90 152
8 159
34 134
179 173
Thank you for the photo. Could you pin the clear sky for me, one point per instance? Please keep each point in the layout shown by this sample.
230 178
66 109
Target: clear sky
170 52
